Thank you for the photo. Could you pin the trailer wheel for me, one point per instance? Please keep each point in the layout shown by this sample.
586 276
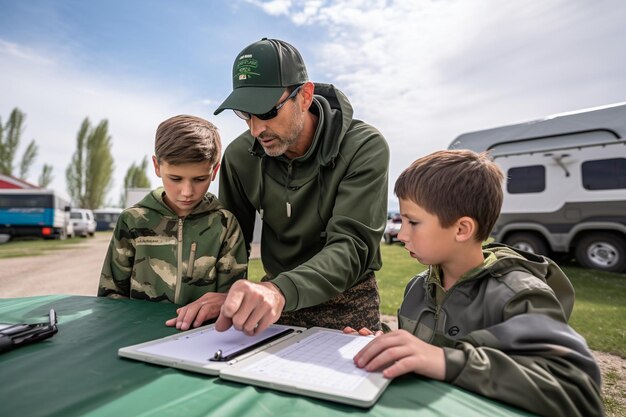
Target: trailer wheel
602 251
528 242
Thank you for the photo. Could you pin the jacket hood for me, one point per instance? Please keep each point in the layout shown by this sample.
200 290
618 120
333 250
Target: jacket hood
335 117
154 201
506 259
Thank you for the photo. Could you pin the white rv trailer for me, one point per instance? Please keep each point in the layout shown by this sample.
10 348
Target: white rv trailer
566 184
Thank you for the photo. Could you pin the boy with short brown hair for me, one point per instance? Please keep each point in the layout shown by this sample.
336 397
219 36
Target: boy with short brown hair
178 244
491 319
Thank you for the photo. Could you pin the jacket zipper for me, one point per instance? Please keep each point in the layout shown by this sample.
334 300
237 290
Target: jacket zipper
439 306
179 268
443 301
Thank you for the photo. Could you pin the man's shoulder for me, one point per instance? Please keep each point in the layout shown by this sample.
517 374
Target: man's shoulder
362 139
360 130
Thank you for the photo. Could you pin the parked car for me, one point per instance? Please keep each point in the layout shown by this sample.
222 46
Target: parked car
106 218
83 221
392 229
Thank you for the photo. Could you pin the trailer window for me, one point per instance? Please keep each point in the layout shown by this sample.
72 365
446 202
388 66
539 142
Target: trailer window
528 179
604 174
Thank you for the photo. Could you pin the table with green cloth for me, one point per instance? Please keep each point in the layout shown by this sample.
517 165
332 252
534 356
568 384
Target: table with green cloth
77 372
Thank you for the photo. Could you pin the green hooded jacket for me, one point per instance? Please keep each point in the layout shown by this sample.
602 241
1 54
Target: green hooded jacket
323 213
504 331
156 255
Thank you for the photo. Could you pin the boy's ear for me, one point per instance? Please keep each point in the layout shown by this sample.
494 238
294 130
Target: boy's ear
157 168
466 228
217 167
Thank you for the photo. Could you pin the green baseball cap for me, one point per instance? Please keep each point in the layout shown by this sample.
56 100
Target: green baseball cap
261 73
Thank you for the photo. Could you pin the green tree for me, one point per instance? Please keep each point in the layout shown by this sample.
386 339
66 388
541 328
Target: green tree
46 176
90 173
10 136
27 159
136 177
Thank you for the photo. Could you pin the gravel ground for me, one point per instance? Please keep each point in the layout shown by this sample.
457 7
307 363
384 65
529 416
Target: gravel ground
76 271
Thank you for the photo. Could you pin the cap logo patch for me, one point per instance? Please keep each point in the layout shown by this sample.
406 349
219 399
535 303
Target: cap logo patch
246 67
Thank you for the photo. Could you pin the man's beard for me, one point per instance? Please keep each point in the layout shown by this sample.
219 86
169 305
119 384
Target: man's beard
281 144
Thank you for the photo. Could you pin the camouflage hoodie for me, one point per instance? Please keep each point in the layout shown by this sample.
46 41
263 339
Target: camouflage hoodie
156 255
505 335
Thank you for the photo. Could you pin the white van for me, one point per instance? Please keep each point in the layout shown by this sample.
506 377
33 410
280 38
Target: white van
83 222
565 192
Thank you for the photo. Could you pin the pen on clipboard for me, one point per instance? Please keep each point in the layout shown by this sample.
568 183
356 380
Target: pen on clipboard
220 357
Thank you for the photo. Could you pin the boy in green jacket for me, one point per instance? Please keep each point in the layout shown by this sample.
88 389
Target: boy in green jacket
492 319
178 244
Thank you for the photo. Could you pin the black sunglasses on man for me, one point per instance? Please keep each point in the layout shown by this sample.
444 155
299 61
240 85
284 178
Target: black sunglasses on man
273 112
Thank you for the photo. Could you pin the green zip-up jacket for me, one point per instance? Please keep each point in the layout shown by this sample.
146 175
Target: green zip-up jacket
504 331
156 255
323 213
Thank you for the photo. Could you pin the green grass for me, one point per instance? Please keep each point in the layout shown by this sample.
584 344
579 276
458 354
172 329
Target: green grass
398 269
32 247
598 314
600 308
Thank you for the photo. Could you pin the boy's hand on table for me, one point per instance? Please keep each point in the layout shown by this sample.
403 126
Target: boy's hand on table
398 353
197 312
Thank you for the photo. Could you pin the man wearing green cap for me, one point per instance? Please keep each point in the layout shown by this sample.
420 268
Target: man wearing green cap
318 179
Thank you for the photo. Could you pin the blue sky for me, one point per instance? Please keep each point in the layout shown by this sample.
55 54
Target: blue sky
422 72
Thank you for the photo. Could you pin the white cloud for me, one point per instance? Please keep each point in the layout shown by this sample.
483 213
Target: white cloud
10 48
424 72
56 96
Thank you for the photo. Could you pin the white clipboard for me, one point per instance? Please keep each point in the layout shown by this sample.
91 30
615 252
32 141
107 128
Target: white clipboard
315 362
197 349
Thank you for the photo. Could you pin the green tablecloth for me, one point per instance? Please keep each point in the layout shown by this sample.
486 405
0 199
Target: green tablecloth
78 373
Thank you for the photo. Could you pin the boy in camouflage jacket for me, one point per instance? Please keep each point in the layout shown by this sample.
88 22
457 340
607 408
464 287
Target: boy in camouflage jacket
492 320
178 244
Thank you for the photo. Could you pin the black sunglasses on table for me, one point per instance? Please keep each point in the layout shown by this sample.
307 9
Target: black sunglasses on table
15 335
273 112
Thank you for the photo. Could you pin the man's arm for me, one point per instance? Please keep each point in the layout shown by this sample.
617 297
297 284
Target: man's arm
353 232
